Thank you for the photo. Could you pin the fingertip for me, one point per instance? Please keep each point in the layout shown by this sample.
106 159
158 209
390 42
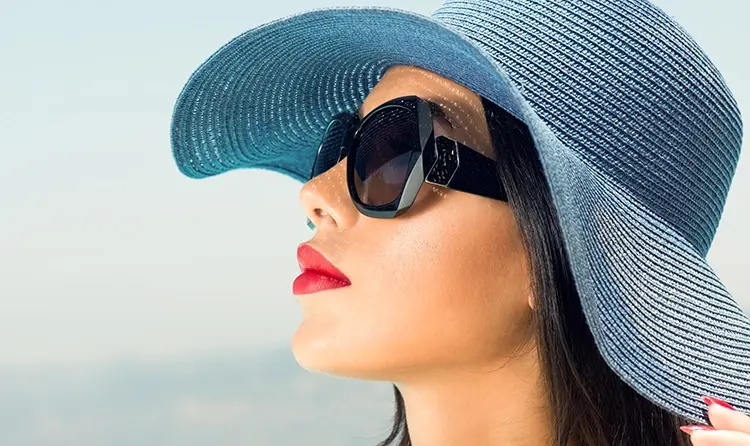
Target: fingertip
700 438
719 412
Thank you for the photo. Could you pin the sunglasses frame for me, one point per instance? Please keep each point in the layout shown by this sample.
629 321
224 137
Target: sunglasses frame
440 161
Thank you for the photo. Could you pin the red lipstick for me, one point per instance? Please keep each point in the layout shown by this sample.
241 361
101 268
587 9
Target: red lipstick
318 274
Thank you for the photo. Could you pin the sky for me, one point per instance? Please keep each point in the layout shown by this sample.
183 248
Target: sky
107 252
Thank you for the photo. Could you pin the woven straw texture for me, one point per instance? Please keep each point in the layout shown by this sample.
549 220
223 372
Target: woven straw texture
637 132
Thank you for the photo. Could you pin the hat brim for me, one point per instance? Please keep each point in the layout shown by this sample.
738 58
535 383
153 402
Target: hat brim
661 318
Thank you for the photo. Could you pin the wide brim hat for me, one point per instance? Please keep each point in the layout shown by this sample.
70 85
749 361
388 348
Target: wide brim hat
636 131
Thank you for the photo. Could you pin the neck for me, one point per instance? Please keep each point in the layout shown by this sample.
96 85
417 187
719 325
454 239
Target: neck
505 406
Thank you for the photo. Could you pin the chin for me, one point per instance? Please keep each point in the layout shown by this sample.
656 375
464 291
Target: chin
325 355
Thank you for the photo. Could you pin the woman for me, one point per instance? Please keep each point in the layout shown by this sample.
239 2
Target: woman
513 201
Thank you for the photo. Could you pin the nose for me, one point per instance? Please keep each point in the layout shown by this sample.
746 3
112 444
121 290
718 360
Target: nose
326 202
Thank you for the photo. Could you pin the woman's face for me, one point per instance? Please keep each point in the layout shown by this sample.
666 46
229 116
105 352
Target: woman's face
443 287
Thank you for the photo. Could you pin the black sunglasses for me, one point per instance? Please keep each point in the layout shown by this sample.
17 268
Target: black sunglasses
393 151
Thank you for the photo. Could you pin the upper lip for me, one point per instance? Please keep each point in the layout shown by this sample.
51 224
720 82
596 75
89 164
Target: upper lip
310 259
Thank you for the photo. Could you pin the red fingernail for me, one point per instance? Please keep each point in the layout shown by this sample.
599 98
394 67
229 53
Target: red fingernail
695 427
710 400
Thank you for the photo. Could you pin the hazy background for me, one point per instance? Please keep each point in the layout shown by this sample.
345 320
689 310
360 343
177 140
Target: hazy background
139 307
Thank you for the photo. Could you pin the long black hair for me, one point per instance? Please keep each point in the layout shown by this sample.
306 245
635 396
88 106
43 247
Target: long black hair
591 405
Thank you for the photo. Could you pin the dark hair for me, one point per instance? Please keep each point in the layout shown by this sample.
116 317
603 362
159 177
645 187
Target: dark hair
590 404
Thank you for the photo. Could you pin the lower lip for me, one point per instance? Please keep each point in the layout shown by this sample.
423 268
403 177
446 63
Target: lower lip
312 282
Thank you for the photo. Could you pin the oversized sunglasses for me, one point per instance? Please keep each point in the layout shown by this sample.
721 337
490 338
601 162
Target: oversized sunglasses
394 150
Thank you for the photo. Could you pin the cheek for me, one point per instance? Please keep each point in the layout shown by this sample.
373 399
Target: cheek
461 288
437 289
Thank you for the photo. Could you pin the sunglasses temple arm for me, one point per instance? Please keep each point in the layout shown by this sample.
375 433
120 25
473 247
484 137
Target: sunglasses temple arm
477 174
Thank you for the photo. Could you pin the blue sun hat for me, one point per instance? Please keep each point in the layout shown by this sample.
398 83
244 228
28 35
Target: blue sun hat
638 135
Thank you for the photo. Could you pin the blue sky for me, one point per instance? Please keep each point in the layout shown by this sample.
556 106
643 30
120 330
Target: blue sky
108 253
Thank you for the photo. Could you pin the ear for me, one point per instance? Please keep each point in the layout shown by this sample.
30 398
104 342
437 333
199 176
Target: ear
531 301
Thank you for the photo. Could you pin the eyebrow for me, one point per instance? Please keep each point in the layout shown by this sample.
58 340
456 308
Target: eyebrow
439 113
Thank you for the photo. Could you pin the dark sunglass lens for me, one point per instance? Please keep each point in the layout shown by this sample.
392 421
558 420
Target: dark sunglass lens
384 155
331 146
